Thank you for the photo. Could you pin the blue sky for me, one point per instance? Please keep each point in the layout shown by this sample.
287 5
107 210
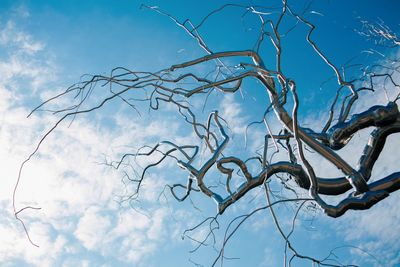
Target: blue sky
45 46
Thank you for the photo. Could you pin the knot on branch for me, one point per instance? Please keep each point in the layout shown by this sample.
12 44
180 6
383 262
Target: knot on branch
358 182
386 115
338 136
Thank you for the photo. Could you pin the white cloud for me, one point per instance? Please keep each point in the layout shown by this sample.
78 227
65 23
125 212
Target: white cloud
65 179
231 111
77 195
92 229
12 36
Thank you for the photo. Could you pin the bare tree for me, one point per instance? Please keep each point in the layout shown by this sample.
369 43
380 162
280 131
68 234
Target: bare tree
179 85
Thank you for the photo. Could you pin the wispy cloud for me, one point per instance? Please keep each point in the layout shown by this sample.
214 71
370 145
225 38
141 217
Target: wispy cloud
81 223
77 195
